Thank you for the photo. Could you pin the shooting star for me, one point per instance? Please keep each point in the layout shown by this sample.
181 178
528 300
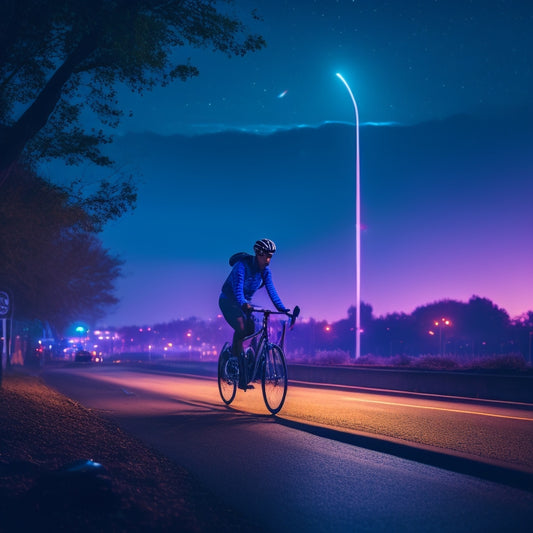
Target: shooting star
281 95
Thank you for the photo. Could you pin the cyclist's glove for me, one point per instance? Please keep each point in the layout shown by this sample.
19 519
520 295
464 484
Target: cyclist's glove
246 307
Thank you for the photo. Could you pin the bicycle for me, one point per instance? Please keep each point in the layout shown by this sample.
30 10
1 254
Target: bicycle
262 359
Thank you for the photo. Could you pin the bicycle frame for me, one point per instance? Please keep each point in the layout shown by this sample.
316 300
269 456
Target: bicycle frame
264 342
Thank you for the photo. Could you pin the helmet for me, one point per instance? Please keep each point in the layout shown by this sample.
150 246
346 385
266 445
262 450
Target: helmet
264 246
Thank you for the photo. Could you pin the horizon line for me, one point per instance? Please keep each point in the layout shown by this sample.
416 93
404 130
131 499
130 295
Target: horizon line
257 129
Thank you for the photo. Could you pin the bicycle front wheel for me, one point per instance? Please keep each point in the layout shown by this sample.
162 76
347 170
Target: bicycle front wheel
228 375
274 380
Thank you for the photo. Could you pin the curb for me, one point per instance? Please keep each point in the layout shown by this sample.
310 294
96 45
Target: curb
454 462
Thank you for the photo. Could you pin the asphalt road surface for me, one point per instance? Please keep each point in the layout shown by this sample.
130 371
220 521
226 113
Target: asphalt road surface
305 469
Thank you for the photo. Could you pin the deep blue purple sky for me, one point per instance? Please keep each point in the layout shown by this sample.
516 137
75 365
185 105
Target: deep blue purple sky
263 146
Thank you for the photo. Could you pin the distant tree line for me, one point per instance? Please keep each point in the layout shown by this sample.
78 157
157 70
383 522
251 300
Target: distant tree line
447 327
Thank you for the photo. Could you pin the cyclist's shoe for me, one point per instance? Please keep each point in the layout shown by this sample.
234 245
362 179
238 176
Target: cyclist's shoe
244 386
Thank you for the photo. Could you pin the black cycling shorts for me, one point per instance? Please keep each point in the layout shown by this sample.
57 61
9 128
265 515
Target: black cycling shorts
232 312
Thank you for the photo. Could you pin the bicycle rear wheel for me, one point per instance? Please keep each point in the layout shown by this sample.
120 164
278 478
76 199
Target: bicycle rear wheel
274 380
228 375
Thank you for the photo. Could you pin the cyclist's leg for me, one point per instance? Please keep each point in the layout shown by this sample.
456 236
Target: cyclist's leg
235 318
237 351
238 338
243 325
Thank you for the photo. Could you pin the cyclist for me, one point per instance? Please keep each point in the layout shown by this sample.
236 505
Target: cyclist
249 273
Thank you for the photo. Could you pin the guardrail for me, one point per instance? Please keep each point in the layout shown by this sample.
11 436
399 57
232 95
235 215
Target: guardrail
481 385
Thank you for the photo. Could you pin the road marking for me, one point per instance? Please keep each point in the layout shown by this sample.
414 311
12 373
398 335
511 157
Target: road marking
440 409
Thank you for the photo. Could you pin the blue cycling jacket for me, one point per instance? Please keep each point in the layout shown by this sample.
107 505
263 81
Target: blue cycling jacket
244 280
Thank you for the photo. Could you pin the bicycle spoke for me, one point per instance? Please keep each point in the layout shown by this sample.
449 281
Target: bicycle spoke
274 381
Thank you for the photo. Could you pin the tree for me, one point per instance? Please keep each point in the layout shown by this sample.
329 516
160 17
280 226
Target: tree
488 324
51 257
345 330
522 335
58 57
394 334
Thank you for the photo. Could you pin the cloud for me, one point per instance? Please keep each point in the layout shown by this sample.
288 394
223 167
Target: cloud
270 129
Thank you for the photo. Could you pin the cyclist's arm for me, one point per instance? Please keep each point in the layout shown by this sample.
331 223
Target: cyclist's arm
276 300
237 283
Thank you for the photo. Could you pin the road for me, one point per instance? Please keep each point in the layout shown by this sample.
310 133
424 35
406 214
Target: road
304 469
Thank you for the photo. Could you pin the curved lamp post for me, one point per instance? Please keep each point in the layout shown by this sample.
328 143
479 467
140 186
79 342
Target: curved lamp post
357 228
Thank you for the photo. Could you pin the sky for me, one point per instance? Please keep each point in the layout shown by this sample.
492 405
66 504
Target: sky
263 146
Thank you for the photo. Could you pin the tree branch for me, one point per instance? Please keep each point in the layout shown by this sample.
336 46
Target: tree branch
13 139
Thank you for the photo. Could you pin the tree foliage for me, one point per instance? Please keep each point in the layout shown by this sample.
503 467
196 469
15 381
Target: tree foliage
58 57
52 259
474 328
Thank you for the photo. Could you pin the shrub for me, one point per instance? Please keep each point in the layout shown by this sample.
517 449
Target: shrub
435 362
331 357
509 362
499 362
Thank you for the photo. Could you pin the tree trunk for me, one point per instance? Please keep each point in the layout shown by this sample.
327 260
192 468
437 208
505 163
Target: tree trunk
13 139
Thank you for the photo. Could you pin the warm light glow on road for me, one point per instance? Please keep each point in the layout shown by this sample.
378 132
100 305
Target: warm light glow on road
434 408
489 430
332 447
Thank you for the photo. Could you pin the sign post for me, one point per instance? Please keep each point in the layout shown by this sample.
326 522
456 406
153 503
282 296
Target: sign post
6 315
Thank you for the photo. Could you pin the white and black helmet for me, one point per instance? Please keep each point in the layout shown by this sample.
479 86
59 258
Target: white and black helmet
264 246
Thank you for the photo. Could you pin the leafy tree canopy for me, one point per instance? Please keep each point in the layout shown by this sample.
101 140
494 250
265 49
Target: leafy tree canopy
52 259
58 57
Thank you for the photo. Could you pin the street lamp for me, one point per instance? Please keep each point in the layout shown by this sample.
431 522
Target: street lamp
357 227
440 324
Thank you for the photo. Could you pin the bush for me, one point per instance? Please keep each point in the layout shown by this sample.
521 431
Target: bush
499 362
435 362
508 362
330 357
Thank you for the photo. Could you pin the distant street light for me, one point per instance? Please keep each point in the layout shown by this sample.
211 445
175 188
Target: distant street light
440 324
80 330
357 227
